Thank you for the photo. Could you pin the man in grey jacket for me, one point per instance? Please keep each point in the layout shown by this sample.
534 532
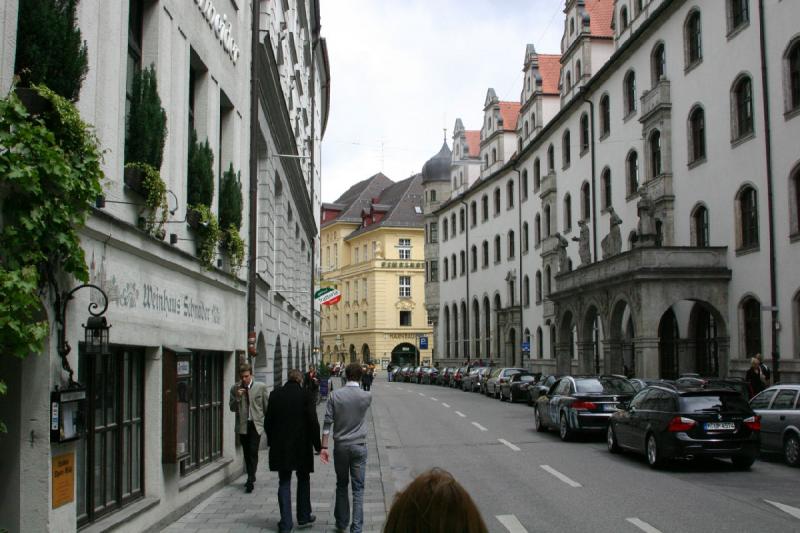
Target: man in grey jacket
248 399
346 413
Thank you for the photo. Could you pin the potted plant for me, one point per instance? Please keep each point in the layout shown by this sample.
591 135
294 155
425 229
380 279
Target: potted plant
155 198
230 217
208 236
147 132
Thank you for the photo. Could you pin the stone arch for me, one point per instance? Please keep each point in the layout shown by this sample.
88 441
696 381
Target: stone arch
668 345
591 340
277 364
304 360
261 352
565 342
476 326
487 325
447 347
511 343
456 338
465 329
352 351
365 353
497 306
290 364
621 332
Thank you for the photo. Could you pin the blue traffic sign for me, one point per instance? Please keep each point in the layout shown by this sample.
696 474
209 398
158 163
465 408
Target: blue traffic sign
423 343
526 346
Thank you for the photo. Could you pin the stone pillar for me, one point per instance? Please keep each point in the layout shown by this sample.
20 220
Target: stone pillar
563 359
724 354
647 357
586 358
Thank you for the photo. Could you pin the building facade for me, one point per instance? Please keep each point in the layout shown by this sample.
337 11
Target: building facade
372 241
648 223
159 436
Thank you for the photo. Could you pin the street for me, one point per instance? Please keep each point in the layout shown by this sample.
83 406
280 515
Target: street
528 481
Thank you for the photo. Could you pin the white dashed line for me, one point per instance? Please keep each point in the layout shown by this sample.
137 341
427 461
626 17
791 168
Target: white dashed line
421 394
479 426
512 446
434 399
462 415
446 405
644 526
559 475
794 511
511 523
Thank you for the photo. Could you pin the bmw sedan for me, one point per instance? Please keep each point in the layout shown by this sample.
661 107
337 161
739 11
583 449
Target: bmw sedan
666 423
576 404
516 388
779 409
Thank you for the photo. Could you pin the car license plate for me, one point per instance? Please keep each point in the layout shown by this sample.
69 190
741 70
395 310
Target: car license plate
720 426
610 407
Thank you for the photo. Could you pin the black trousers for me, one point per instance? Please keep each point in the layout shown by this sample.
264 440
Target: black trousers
250 442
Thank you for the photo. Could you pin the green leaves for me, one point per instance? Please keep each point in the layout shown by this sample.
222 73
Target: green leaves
208 236
230 199
147 121
234 246
200 172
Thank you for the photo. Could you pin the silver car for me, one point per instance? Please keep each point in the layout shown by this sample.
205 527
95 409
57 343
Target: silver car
498 376
779 409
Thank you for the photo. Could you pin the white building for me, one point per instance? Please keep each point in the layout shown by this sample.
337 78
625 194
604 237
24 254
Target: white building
676 177
177 327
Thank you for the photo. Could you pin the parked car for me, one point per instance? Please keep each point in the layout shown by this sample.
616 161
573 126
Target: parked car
471 381
444 374
639 383
541 386
516 388
458 375
666 423
580 404
480 378
412 374
739 385
779 409
429 375
421 370
499 375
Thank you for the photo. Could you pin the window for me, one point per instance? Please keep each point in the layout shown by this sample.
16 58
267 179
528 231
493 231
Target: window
485 252
792 68
474 258
433 195
632 171
526 291
571 26
405 318
629 90
584 132
434 232
565 149
446 269
697 135
605 116
568 84
738 14
497 202
623 19
110 457
539 343
510 194
655 154
538 287
605 185
453 225
742 108
524 185
355 320
586 202
462 220
525 239
405 286
794 201
433 272
444 229
551 159
537 230
497 248
485 208
463 257
494 155
473 212
700 237
637 7
748 218
693 40
658 63
537 175
135 27
547 219
511 245
751 315
404 249
205 411
547 281
567 213
453 266
578 71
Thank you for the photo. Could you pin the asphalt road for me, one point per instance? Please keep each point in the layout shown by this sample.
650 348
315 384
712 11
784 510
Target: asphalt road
527 481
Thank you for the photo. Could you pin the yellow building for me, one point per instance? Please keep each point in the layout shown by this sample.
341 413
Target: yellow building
372 245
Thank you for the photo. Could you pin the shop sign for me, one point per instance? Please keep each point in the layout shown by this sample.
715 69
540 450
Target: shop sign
63 479
220 26
328 296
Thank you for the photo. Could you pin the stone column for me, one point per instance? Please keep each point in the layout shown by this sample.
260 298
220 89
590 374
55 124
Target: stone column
563 359
586 358
647 361
724 355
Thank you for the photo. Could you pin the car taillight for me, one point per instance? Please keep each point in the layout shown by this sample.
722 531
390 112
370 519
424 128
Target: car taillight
680 423
584 406
754 423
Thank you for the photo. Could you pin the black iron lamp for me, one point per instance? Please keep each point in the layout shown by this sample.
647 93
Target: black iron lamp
96 335
96 328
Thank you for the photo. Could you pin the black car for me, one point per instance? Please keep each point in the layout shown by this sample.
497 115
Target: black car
691 381
581 404
516 388
667 423
639 383
541 386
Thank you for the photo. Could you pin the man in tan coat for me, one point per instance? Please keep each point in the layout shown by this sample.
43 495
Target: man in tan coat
248 399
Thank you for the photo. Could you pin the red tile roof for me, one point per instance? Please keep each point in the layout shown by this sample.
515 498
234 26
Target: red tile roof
473 142
510 113
601 13
550 70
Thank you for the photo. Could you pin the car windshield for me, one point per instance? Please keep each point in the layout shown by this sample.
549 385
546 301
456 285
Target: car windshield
716 402
604 386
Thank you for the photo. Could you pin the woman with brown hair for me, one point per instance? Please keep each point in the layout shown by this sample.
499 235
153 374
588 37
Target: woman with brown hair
434 503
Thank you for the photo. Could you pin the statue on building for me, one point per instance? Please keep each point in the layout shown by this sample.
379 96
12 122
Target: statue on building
563 258
646 234
612 243
378 250
583 243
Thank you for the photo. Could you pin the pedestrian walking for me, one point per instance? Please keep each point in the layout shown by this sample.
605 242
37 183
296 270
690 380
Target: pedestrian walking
367 379
765 371
248 399
345 416
293 436
311 383
754 377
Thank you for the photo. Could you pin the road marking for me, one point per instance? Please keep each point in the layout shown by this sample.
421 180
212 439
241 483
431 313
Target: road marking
479 426
512 446
559 475
644 526
462 415
794 511
421 393
446 405
434 399
511 523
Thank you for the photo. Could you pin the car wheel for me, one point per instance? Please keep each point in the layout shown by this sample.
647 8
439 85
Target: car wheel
791 450
743 462
651 449
537 421
611 440
563 429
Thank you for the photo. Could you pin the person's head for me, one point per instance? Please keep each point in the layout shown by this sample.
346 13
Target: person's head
436 503
754 362
353 372
246 373
294 376
759 357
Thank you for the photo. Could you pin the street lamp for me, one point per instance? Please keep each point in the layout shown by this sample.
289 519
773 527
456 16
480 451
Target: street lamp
96 328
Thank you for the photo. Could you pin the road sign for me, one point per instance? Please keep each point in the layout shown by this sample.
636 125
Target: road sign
526 346
423 343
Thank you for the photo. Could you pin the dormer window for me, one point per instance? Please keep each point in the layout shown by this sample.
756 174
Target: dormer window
571 26
623 19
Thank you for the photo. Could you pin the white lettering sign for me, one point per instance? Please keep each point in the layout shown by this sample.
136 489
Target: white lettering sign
220 26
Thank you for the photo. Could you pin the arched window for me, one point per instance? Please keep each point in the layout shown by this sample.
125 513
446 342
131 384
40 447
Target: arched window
792 70
526 291
497 248
494 155
473 213
578 71
538 286
497 201
548 282
700 236
462 220
539 343
453 228
525 238
584 132
629 90
537 175
537 229
453 266
738 14
605 185
567 213
693 39
637 8
565 149
485 252
623 19
546 212
750 310
474 258
551 159
747 201
524 185
445 235
586 202
658 63
510 194
511 245
568 84
632 172
697 135
605 115
742 103
446 269
571 26
447 330
485 160
794 201
654 143
433 195
526 129
485 208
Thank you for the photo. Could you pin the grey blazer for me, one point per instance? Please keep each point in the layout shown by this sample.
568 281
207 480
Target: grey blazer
259 396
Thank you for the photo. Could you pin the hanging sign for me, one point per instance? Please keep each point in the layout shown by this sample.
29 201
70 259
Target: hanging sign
328 296
63 479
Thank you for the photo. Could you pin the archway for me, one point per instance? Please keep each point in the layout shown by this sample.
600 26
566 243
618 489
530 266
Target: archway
290 363
277 364
303 361
405 354
511 358
496 327
261 352
487 326
352 352
565 347
365 355
590 348
704 332
668 341
620 348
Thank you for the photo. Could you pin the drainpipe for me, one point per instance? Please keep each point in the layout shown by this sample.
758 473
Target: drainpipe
773 285
312 181
253 218
467 257
594 179
521 277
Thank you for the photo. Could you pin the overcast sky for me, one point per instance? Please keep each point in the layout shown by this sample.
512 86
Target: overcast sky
402 70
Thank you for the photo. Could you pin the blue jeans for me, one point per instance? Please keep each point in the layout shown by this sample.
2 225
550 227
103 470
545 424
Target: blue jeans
285 498
350 463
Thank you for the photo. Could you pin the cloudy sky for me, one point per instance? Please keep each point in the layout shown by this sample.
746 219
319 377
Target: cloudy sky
402 70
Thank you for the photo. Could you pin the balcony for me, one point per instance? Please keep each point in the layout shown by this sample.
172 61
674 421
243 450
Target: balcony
655 100
548 185
549 246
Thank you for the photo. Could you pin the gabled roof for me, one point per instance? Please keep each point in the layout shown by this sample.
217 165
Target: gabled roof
402 198
550 71
510 113
601 13
360 196
473 142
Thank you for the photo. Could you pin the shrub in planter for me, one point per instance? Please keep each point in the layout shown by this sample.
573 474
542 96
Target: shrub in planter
207 236
147 121
200 172
154 190
230 199
234 246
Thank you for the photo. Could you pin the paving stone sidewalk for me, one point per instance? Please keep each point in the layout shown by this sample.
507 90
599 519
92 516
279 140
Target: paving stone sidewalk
231 510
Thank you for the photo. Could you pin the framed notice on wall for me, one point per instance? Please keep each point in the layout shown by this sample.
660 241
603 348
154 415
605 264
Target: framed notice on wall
63 479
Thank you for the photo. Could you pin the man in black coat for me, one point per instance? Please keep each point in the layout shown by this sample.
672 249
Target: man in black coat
292 436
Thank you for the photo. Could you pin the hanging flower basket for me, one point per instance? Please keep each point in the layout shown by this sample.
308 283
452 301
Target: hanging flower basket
193 218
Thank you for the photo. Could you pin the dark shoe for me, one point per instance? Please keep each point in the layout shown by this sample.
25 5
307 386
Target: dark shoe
308 523
248 488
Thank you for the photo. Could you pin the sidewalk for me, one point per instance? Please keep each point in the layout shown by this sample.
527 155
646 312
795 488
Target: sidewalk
231 510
